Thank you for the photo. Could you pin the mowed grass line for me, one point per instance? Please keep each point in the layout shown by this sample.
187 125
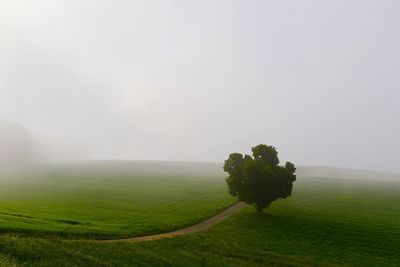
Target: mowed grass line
327 222
124 199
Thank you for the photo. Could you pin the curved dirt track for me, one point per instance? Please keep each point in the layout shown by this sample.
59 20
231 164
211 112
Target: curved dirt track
187 230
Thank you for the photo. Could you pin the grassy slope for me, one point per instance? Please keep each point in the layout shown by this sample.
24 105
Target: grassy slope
326 222
110 199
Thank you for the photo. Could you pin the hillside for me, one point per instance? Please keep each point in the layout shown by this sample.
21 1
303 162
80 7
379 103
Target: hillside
344 173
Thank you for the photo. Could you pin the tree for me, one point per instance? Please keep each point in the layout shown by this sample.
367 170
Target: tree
258 179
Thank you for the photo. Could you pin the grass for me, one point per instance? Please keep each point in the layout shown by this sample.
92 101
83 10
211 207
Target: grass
327 222
109 199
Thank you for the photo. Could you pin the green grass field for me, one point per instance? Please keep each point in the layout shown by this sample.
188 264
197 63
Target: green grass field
110 199
327 222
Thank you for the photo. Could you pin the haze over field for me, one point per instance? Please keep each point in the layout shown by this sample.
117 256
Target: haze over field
174 80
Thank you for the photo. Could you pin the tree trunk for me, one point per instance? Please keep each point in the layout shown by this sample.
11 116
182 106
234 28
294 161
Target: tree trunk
259 209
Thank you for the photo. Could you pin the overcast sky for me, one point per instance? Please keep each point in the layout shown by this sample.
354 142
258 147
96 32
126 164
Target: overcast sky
197 80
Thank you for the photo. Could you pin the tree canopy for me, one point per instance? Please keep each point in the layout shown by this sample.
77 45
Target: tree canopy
258 179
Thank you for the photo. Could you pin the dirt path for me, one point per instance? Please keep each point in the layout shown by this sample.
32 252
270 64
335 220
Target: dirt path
188 230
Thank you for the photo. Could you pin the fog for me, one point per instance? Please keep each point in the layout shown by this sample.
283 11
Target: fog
197 80
16 144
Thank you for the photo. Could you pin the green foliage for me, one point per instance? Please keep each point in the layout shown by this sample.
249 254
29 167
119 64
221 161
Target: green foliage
268 154
259 180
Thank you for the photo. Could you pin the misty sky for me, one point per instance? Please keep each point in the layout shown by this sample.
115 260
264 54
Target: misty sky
196 80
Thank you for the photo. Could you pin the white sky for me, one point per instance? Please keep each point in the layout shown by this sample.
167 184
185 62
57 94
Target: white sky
197 80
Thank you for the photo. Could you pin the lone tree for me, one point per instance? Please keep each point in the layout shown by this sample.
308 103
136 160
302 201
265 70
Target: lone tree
259 180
